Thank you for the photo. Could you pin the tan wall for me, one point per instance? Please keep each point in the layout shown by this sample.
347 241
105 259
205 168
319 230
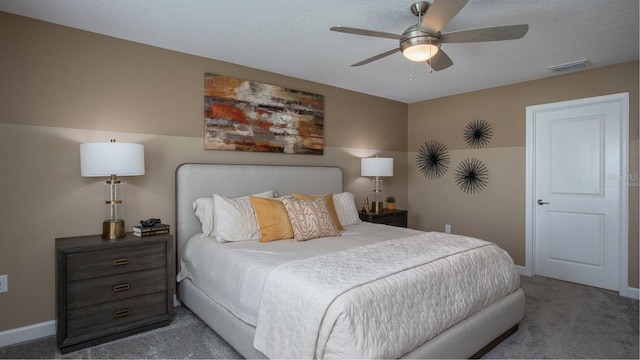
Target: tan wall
61 87
498 212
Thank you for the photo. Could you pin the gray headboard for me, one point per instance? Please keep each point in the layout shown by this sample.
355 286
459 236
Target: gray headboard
195 181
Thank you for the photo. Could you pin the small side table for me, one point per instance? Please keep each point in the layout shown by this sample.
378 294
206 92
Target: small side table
387 217
109 289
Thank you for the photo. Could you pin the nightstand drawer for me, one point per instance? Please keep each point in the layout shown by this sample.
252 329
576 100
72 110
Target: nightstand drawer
115 261
395 222
116 287
87 319
387 217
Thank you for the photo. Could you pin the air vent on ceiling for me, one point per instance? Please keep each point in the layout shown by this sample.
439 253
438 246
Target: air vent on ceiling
571 66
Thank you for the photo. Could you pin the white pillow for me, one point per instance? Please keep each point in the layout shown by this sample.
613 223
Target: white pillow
203 208
345 204
234 220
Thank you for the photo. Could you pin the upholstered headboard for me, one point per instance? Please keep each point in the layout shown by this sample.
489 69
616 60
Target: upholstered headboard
195 181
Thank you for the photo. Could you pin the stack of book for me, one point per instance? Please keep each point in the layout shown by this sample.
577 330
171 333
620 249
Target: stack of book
139 230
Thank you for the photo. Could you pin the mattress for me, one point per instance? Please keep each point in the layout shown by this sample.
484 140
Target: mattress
233 274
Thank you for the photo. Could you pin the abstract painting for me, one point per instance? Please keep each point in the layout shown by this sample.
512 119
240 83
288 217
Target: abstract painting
243 115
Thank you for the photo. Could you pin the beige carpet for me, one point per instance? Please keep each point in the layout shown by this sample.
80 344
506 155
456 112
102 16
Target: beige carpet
565 320
562 320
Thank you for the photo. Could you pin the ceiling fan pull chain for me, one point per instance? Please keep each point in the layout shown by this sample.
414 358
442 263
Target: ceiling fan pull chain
430 70
411 78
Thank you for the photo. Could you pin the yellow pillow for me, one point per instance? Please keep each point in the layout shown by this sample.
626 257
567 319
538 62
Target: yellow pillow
330 206
273 219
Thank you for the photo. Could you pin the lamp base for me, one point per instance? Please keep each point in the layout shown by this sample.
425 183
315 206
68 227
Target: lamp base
113 229
377 207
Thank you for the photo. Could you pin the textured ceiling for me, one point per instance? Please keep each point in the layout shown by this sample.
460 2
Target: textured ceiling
292 37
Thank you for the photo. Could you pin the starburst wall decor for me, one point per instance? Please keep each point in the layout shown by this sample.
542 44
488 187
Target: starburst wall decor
477 133
471 176
432 159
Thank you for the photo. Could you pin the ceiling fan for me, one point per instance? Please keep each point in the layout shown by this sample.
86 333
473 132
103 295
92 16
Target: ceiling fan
421 42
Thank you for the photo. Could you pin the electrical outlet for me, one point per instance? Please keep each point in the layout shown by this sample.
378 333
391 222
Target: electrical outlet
4 283
447 229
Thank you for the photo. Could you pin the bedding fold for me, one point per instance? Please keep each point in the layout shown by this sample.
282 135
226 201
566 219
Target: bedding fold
380 300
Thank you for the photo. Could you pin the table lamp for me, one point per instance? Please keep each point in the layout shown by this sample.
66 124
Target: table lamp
376 167
112 159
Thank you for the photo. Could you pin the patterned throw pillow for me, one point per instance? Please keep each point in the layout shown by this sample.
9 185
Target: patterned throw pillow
310 219
330 206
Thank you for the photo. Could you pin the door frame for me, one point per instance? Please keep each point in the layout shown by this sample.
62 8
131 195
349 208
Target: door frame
530 203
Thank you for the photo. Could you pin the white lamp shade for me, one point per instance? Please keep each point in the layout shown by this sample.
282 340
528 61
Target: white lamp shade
109 158
376 167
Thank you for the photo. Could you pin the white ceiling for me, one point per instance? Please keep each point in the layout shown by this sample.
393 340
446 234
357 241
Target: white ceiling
292 37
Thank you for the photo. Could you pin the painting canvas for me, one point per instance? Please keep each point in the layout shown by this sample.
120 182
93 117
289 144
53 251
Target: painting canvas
243 115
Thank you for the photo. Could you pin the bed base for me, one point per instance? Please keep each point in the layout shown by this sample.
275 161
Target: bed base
495 342
470 338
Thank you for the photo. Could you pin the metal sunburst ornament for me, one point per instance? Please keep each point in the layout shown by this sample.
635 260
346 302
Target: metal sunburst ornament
432 159
477 133
471 176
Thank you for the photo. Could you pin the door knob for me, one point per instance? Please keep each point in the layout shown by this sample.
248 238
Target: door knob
540 202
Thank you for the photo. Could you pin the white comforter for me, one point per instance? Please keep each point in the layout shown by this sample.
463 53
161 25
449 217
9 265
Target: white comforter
234 275
381 300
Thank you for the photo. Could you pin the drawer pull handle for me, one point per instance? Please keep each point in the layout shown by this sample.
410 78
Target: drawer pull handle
121 287
118 262
121 313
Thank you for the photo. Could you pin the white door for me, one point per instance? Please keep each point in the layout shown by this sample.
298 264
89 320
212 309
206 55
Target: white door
578 151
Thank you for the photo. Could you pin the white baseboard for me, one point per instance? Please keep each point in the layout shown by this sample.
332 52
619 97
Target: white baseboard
523 270
26 333
633 293
36 331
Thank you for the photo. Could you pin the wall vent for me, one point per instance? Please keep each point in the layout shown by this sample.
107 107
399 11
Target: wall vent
571 66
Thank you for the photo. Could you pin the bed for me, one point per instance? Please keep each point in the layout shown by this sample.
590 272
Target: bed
260 305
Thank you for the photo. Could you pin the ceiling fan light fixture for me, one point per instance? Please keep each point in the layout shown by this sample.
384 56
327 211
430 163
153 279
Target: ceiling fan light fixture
420 52
418 46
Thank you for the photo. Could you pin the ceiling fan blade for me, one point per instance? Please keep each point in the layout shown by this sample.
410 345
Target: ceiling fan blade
440 13
377 57
365 32
440 61
509 32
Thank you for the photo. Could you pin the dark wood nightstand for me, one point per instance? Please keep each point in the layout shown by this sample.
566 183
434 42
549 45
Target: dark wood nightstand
109 289
387 217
